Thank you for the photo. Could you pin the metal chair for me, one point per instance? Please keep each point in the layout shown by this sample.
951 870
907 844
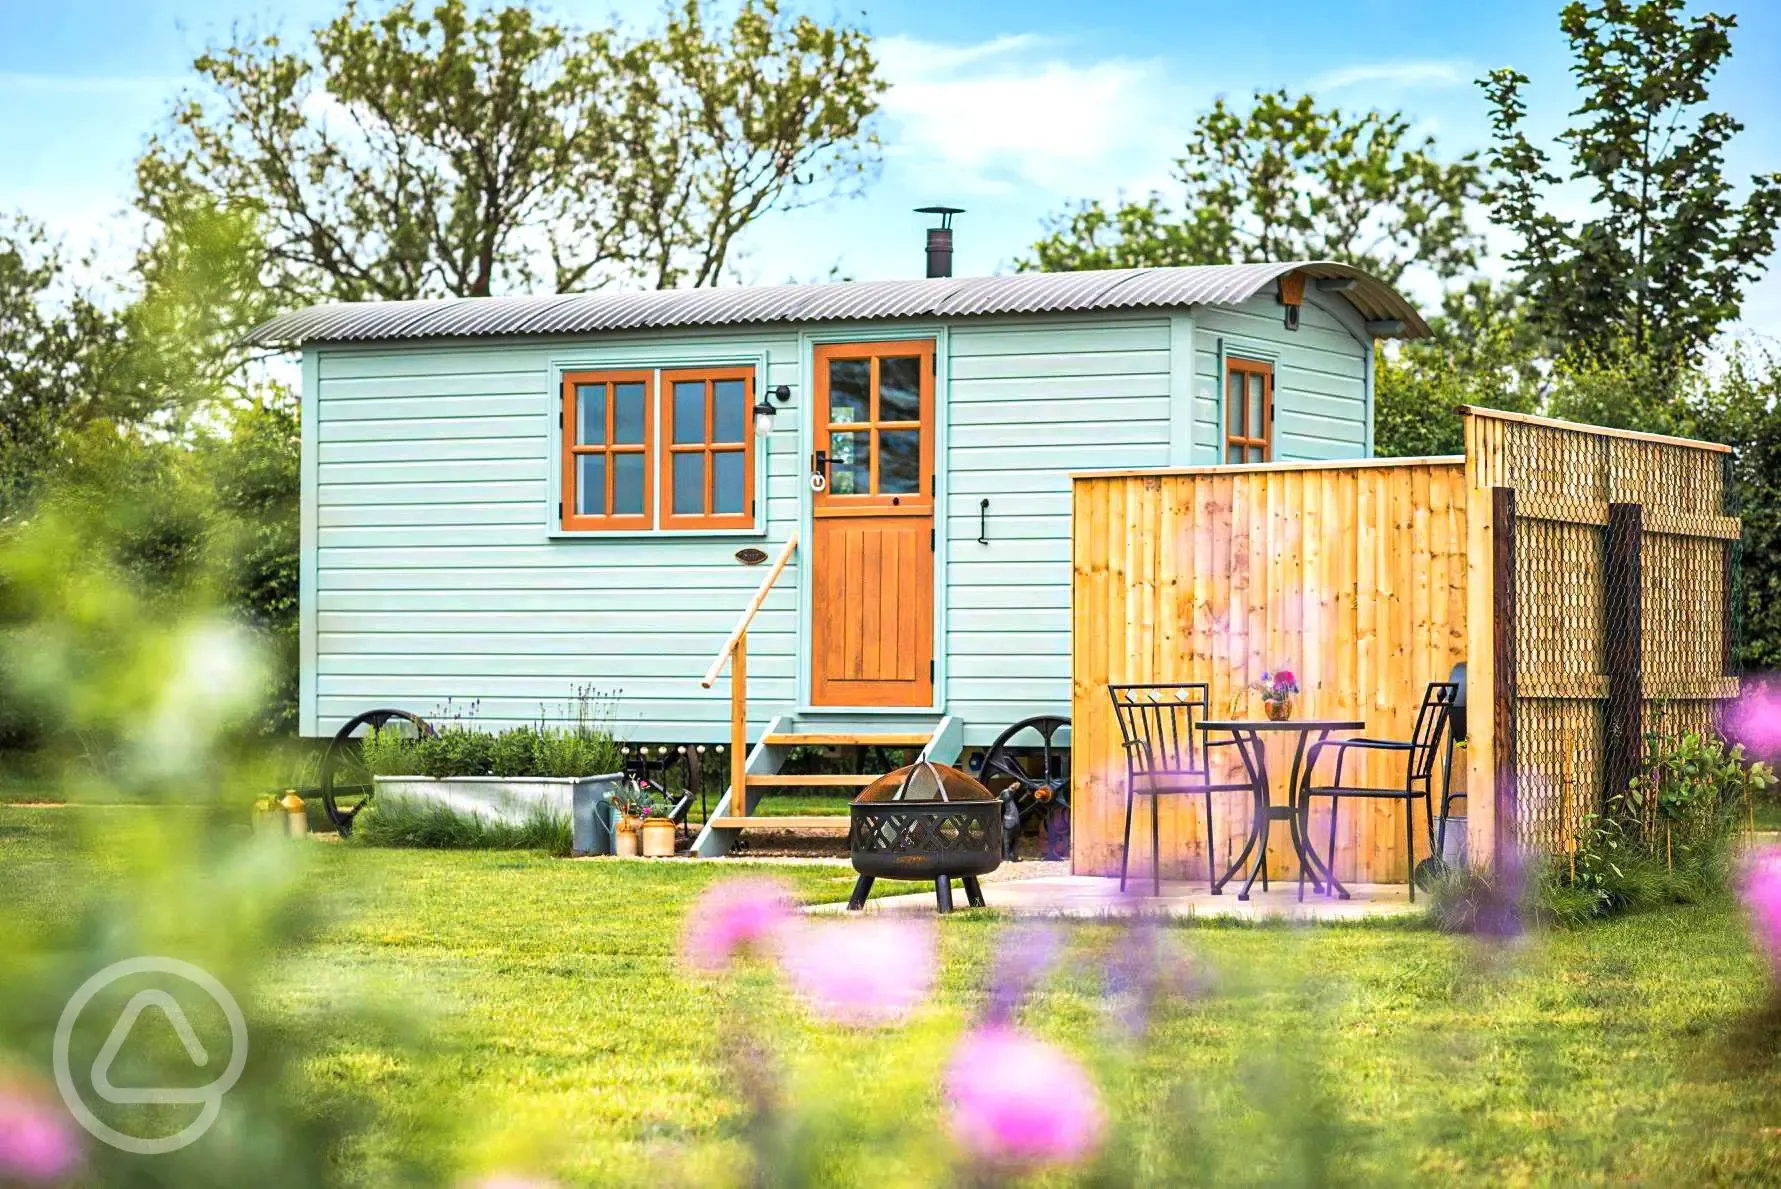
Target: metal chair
1165 755
1433 724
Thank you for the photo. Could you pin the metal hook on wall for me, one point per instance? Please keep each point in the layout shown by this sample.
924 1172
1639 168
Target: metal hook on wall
983 522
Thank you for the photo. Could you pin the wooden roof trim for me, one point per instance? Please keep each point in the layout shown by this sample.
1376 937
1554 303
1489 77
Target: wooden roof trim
1350 464
1633 435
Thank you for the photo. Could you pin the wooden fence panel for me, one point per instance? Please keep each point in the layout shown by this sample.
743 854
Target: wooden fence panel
1354 575
1622 579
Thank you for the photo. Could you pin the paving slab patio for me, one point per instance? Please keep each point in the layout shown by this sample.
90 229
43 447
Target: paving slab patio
1092 897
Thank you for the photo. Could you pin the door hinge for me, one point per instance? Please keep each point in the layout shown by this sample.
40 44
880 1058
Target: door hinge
930 671
930 540
559 509
562 419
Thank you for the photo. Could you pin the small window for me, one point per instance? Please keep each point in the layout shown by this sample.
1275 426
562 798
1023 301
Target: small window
608 436
1248 410
707 476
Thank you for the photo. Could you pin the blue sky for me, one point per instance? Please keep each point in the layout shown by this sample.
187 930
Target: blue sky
1010 108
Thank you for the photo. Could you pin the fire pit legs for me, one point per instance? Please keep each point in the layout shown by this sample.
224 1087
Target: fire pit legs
862 888
973 891
943 892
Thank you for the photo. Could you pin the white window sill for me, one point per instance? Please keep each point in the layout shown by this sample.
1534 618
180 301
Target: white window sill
651 534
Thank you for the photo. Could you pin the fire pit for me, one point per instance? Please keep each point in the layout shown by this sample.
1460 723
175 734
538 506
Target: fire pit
925 822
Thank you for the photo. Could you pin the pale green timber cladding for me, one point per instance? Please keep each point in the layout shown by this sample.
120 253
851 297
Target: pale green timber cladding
1320 377
434 576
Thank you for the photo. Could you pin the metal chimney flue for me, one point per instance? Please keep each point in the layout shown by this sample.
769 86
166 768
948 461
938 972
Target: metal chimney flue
940 239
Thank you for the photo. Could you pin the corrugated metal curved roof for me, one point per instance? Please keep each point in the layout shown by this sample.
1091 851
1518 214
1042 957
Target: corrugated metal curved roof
938 297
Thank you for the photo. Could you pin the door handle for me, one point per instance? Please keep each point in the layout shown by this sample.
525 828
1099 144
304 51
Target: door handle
819 463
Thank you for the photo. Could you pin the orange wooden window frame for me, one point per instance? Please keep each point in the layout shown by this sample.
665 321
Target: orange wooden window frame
1234 367
899 503
577 522
669 449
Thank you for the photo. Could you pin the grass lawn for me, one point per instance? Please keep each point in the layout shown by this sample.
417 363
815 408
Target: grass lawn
556 1030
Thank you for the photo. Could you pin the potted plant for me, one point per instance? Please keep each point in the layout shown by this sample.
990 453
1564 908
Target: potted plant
655 829
1277 690
630 807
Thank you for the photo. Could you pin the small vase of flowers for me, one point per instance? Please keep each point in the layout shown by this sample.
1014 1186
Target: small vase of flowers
1277 690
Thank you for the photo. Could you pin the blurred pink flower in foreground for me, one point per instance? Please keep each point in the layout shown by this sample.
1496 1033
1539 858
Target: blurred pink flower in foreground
1016 1101
1755 719
860 971
1759 885
732 915
37 1145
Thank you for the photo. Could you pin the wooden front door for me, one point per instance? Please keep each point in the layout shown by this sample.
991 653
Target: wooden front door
872 539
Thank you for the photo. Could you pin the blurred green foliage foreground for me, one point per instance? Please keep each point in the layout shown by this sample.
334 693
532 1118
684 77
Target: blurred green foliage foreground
454 1016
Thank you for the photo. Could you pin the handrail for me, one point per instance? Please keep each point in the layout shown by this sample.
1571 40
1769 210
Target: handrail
748 613
735 649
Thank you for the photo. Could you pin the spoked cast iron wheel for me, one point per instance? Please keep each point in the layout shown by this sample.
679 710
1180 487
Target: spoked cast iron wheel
1029 765
346 782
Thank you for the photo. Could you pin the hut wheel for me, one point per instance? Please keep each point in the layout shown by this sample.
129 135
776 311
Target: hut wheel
345 781
1028 767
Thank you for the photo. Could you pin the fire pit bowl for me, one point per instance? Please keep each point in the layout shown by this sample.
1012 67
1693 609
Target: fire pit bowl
925 822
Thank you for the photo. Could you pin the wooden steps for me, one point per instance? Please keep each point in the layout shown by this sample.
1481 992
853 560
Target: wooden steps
826 824
824 780
846 739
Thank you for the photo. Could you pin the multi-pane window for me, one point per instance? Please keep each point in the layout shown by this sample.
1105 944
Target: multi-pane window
608 432
1248 410
705 466
658 449
876 396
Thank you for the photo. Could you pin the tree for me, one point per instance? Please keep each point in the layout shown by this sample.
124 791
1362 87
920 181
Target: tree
1482 352
52 338
1287 180
415 155
1661 262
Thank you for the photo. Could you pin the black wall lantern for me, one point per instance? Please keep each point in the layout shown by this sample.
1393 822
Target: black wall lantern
764 411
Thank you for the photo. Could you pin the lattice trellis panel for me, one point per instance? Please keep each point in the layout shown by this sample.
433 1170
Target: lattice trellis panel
1625 568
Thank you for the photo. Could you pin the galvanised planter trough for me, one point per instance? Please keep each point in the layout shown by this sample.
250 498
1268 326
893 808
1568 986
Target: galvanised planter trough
515 799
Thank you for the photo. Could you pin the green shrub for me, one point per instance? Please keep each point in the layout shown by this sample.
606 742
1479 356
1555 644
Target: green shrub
515 752
388 752
406 822
455 751
584 748
1669 838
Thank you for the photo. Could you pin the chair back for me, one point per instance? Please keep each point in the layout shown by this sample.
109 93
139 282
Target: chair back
1456 721
1159 725
1433 721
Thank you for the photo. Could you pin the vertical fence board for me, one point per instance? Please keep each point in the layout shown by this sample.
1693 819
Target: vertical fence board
1346 574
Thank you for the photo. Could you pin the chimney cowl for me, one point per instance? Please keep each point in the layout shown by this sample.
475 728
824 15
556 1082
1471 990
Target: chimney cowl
940 239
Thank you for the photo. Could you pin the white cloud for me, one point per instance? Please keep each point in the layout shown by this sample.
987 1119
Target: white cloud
1015 113
1391 75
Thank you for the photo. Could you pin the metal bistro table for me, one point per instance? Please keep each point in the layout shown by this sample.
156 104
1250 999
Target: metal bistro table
1248 734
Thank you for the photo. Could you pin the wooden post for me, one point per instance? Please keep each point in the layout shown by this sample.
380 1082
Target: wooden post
739 727
1623 649
1502 579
